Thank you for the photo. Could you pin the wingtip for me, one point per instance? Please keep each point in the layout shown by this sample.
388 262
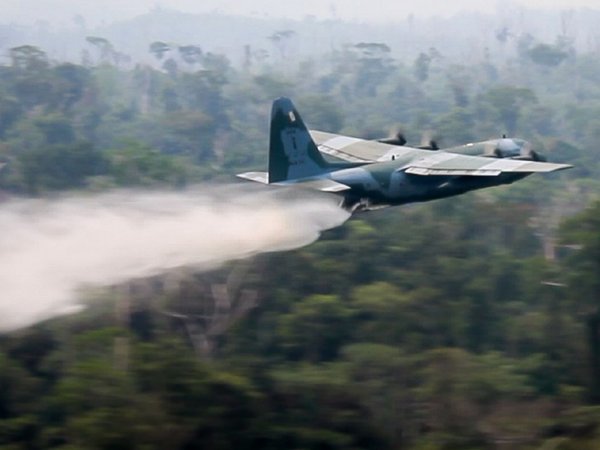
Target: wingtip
563 167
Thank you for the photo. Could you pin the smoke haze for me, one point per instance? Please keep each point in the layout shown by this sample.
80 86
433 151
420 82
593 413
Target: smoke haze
30 11
49 249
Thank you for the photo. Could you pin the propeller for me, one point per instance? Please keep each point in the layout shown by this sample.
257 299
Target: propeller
529 154
428 141
395 138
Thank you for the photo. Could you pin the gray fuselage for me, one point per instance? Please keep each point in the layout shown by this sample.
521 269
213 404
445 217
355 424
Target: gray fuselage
386 184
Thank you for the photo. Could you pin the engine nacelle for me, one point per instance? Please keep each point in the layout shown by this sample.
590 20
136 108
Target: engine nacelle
398 140
516 149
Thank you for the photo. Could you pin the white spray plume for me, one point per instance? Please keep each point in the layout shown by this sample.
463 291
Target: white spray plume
51 248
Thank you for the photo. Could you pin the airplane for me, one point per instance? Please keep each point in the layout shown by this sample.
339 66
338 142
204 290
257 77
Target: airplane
376 174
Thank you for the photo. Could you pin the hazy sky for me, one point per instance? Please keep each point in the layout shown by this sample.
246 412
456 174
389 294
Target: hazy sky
98 11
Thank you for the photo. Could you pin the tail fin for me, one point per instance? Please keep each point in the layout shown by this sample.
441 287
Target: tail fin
292 152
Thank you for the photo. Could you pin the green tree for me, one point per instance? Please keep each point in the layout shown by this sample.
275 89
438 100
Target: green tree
507 102
315 328
421 67
135 164
159 49
583 267
28 57
547 55
106 51
60 166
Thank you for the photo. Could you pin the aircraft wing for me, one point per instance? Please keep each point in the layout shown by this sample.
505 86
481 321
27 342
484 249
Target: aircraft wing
451 164
352 149
425 162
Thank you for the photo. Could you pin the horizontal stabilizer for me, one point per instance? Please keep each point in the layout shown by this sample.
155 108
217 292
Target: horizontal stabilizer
324 185
319 184
259 177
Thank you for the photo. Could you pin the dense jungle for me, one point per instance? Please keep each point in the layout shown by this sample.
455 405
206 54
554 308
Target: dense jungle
465 323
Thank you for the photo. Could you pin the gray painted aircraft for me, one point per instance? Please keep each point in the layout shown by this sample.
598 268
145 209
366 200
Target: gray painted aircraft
375 174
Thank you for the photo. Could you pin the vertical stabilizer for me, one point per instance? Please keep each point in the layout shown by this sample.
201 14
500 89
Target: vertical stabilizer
292 152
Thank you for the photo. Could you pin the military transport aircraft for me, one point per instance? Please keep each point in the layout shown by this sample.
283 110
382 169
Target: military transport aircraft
375 174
